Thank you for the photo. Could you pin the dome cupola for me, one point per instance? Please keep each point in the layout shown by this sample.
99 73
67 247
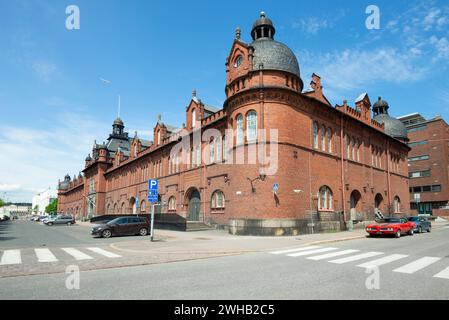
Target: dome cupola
393 127
263 28
269 54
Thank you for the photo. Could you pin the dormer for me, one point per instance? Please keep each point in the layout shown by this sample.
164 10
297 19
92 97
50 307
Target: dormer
136 146
316 90
363 105
160 132
194 112
239 61
119 157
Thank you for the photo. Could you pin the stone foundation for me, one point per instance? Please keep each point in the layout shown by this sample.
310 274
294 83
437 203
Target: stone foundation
279 227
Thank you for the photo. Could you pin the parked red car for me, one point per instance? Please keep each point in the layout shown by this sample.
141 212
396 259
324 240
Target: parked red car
391 226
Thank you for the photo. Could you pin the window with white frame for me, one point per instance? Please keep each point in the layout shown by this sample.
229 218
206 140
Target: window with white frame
212 151
225 147
172 203
329 140
251 125
325 198
315 135
218 143
239 129
323 138
397 204
193 118
218 200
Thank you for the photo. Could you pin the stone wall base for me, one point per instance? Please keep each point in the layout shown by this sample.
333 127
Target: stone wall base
280 227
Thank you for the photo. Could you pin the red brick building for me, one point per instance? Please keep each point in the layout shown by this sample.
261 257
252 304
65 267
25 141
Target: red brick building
273 158
428 164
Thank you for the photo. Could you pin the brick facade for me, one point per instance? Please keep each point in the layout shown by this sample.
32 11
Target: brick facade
429 163
373 164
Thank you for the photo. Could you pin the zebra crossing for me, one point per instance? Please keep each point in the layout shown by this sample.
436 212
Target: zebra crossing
367 260
45 255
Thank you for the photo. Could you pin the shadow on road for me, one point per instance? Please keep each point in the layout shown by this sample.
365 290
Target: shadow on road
4 226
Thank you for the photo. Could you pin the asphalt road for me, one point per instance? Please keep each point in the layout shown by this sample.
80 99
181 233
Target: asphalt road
414 263
23 234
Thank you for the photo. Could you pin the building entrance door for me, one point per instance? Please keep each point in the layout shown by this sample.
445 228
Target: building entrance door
425 208
194 206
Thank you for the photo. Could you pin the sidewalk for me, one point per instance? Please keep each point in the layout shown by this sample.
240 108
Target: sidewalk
222 243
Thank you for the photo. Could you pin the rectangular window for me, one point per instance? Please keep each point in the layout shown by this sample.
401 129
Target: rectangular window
436 188
418 158
418 143
419 128
419 174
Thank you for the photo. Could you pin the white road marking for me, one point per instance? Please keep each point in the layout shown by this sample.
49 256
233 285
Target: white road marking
294 250
382 261
309 252
332 254
357 257
78 255
104 252
11 257
443 274
417 265
45 255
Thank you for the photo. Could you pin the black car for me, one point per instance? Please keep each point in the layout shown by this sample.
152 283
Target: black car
123 226
422 224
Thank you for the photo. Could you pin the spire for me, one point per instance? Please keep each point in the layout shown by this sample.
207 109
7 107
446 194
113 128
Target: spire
238 33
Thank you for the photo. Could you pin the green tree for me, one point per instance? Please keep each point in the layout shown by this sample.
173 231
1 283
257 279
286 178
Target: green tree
52 207
2 203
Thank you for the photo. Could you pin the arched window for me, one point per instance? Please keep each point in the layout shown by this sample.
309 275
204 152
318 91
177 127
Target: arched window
225 147
218 200
325 198
397 205
159 137
172 204
239 129
251 125
218 148
348 147
143 205
170 161
353 148
212 151
358 149
323 138
315 135
329 140
193 118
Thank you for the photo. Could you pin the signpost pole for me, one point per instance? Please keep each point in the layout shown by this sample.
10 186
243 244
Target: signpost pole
152 222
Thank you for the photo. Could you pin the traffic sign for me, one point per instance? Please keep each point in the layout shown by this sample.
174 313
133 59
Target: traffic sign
276 187
153 195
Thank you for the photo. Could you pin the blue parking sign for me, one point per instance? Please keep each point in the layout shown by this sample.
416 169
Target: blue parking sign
153 195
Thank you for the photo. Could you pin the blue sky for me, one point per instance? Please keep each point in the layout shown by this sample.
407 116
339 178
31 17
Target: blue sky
53 104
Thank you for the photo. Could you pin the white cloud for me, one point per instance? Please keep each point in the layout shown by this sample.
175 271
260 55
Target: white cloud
35 159
311 25
349 70
441 45
9 187
44 69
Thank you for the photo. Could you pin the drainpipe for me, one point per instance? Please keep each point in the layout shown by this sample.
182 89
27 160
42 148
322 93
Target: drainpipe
342 150
388 177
